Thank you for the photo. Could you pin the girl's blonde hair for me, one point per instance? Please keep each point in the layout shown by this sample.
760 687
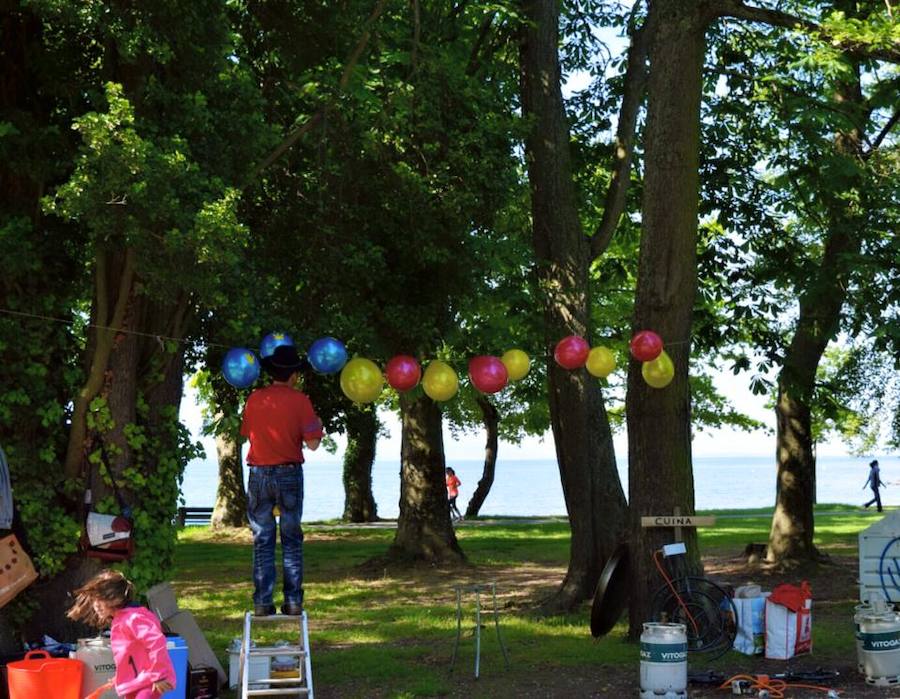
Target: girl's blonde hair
110 586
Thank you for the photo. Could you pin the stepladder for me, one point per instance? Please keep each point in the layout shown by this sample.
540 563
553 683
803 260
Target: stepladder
295 684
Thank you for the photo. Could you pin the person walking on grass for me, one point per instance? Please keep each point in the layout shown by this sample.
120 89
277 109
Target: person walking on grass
453 484
875 482
278 420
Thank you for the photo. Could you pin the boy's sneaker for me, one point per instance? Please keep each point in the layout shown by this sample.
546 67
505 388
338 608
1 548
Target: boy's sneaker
263 609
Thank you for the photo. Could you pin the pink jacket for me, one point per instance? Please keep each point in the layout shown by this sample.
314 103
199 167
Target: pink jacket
139 649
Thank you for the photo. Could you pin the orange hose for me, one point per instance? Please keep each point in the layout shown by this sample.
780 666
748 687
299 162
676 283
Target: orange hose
775 687
675 592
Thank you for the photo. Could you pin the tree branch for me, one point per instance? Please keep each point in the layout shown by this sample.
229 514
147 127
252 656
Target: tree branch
349 65
776 18
483 33
892 122
635 86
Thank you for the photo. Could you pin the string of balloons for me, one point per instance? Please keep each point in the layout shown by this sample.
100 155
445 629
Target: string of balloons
362 381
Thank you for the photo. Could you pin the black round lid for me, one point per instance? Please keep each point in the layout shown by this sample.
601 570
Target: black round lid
611 595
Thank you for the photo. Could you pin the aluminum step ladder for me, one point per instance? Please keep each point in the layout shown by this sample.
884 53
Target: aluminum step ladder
300 686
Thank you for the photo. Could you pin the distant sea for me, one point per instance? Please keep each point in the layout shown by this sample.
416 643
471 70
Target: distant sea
532 488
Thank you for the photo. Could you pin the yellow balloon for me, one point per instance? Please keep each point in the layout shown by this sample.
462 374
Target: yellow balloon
361 380
659 372
440 381
601 362
517 364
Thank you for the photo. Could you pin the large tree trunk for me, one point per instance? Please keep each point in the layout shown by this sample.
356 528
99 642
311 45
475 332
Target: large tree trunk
424 532
821 303
230 509
593 494
362 437
659 420
491 419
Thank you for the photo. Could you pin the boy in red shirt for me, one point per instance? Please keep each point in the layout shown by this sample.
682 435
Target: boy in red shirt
453 484
278 420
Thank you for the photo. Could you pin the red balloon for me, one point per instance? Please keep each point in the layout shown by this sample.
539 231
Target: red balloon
571 352
646 346
403 372
488 374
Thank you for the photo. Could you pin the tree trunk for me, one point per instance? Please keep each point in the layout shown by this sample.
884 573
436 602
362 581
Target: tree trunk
230 509
593 494
424 532
659 420
491 419
362 437
821 304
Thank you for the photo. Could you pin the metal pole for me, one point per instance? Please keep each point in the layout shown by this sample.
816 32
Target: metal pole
477 628
458 627
497 625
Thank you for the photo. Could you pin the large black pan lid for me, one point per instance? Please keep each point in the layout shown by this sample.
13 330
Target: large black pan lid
611 595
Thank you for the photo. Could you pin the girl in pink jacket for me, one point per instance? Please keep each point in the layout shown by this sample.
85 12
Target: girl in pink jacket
143 667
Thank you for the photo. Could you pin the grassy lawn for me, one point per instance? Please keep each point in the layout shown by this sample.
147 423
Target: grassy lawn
391 634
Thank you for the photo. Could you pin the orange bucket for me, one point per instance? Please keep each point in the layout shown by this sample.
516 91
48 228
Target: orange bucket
39 675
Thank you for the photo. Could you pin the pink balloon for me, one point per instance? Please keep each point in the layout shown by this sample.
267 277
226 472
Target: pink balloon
646 346
403 372
571 352
488 374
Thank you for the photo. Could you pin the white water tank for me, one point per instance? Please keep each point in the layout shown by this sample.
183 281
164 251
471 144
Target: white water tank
879 560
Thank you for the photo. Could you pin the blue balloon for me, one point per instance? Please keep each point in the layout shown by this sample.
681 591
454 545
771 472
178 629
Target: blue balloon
327 355
240 367
273 340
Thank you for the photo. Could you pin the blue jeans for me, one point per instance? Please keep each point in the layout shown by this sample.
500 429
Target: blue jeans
282 486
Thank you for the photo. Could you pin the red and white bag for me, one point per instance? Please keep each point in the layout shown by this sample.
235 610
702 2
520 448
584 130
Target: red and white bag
789 621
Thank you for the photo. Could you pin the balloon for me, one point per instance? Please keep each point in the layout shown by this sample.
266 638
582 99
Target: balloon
327 355
361 380
488 374
646 346
440 381
240 367
600 362
659 372
571 352
403 372
273 340
517 364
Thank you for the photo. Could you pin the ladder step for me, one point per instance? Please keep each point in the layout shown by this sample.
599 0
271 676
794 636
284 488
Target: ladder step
294 692
279 617
290 651
278 680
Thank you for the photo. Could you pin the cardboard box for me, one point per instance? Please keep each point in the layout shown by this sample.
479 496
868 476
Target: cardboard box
161 600
203 683
199 652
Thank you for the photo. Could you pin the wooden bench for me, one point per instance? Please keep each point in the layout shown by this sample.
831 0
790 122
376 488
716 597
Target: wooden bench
194 516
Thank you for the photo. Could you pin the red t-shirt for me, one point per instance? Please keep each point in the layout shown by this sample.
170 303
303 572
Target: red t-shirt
277 420
453 484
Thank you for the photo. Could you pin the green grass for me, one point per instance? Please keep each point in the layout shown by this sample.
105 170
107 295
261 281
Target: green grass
391 634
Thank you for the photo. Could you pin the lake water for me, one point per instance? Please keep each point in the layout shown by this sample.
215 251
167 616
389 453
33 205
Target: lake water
532 488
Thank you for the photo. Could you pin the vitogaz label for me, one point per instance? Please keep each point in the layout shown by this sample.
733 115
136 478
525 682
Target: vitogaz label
664 652
878 641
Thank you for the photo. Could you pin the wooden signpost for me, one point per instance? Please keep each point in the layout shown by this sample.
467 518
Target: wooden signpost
676 521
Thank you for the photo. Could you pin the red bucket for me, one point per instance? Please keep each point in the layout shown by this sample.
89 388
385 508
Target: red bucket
39 675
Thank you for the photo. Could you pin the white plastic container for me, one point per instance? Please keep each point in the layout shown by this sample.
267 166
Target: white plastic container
880 637
99 665
663 661
259 667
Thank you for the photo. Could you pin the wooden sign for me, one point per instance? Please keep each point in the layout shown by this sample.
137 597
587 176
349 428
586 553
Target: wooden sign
676 521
